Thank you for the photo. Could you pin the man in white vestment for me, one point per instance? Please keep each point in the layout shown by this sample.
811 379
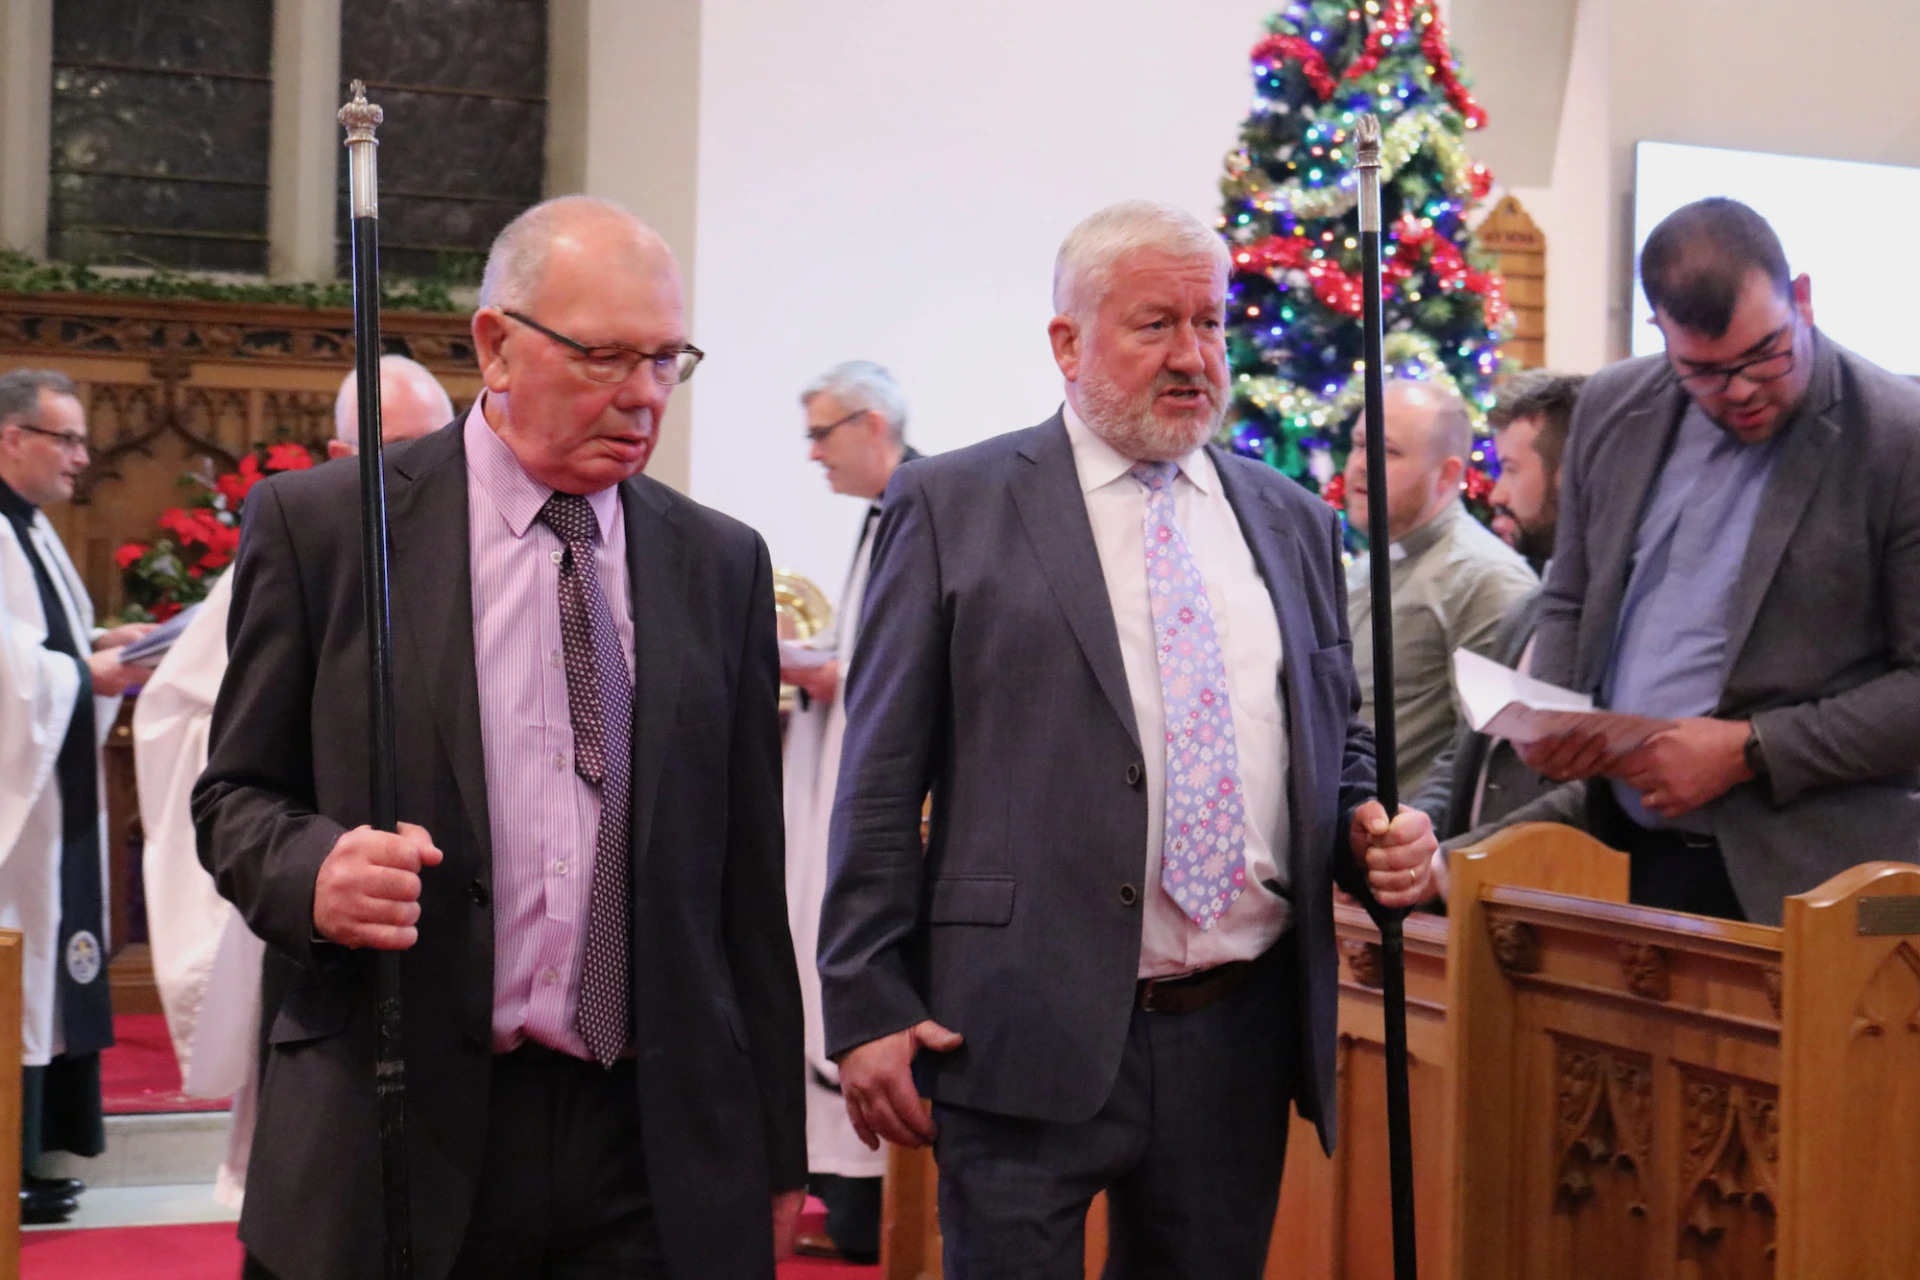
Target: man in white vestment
206 962
856 424
60 685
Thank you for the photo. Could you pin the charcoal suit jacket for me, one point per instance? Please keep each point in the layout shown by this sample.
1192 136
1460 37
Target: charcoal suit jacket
715 1001
1823 648
990 675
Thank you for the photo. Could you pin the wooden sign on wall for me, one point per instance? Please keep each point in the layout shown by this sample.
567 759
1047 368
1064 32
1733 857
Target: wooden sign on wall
1522 248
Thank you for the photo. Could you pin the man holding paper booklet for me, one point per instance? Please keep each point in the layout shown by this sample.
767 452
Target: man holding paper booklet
1739 561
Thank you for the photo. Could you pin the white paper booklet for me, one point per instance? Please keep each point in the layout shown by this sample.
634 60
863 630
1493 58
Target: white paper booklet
1501 702
796 655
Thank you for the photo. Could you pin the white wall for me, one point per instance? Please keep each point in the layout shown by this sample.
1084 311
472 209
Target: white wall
889 181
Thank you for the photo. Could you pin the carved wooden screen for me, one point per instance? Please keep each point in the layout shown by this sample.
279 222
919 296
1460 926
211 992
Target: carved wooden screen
171 386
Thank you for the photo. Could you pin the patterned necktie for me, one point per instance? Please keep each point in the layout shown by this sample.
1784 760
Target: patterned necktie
1202 863
600 702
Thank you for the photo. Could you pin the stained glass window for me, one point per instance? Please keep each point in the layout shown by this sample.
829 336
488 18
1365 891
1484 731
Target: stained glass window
463 148
161 120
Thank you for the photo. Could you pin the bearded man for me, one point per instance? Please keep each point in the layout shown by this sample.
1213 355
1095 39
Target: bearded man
1117 656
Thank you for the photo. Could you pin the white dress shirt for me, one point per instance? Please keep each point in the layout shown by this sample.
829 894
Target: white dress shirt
1243 614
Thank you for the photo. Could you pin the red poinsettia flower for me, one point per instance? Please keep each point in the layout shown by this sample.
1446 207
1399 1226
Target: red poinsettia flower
1334 492
288 457
129 554
164 609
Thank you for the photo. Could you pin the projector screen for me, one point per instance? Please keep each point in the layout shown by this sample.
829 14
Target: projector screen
1862 292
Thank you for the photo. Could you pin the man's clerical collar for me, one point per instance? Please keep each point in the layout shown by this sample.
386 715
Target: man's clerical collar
15 507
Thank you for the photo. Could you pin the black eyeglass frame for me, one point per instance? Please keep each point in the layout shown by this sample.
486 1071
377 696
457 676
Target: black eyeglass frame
68 440
1714 382
818 435
666 364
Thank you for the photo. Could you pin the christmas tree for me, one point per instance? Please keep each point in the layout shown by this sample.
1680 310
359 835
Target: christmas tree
1293 305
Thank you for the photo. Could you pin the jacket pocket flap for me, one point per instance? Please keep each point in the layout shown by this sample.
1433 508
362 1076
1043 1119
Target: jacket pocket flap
1330 659
972 900
310 1013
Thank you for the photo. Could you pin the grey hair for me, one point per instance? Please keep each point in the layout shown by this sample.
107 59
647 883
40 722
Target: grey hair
861 386
1452 434
1083 269
20 393
346 404
518 258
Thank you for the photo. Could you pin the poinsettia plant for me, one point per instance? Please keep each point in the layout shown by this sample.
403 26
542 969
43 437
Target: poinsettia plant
199 538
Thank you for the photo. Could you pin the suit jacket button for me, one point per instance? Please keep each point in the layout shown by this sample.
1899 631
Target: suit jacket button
473 1043
1133 775
1128 895
478 892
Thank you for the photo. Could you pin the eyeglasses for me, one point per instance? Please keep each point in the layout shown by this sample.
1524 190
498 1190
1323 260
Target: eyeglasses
68 441
1769 367
816 435
616 364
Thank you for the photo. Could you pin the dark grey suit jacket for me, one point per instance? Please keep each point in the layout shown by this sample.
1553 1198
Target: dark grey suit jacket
990 673
1824 647
1448 795
716 1004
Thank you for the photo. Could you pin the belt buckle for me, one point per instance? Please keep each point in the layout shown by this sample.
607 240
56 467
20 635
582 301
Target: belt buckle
1145 1001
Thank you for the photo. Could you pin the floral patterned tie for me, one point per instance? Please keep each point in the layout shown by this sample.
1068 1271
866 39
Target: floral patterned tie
600 703
1202 862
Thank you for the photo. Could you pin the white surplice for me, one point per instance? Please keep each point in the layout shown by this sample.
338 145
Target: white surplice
206 961
813 768
38 691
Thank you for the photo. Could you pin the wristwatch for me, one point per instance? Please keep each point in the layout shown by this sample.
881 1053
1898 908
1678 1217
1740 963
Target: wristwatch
1753 753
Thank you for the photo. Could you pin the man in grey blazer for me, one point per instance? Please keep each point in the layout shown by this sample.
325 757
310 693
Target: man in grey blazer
1739 550
1118 658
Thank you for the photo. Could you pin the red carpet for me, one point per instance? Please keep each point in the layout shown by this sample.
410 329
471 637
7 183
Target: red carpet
208 1251
139 1075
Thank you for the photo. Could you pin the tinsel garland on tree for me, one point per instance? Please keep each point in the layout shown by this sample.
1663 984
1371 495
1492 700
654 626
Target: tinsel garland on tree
1290 218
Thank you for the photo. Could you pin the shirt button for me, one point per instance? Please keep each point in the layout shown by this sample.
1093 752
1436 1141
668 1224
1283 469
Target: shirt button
1128 895
556 556
554 658
549 976
560 868
559 764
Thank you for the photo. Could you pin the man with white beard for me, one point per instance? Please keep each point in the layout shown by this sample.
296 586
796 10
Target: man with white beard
1118 658
206 962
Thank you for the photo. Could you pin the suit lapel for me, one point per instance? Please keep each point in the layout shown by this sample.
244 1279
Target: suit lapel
657 571
1053 511
1804 450
1275 544
432 577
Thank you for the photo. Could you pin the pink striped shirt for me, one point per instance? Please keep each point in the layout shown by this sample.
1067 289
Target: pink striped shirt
543 818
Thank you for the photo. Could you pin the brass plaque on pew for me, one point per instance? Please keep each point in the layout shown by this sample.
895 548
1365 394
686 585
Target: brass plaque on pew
1890 914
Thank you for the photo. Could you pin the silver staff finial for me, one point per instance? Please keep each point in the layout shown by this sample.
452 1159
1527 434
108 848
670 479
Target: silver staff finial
1366 141
360 116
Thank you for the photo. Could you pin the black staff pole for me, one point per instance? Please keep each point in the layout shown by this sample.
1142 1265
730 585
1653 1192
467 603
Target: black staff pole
1392 940
390 1071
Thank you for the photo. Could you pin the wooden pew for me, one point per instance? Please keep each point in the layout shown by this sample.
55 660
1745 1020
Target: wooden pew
1655 1095
1632 1103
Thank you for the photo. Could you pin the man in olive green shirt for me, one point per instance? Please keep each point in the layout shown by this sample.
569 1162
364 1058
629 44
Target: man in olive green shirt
1452 578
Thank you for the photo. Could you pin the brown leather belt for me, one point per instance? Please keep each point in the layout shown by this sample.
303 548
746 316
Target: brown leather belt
1194 991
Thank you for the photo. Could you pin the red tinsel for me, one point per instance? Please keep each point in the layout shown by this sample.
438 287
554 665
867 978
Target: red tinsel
1314 67
1395 22
1434 44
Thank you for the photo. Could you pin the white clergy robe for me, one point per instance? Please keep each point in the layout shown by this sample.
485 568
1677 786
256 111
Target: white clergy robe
38 691
813 769
206 961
